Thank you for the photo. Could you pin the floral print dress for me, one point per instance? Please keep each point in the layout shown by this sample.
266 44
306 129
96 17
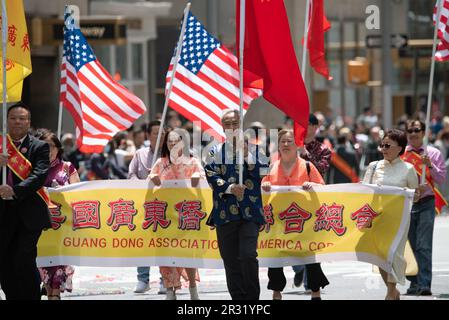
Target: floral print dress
58 277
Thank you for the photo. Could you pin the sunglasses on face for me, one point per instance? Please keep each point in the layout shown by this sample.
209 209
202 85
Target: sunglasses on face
385 146
414 130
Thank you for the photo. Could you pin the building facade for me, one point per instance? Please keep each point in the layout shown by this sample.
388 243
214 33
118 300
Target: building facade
152 30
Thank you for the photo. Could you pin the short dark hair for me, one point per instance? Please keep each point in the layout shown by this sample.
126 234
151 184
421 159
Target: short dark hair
313 120
137 131
398 136
19 105
411 123
152 124
341 139
44 134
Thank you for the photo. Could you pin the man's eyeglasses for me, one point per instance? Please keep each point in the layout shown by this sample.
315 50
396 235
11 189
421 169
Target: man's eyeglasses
414 130
231 123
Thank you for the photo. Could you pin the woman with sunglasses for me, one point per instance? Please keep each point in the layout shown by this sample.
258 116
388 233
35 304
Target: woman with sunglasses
392 171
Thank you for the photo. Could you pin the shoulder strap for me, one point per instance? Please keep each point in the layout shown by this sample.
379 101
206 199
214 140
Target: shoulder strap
66 167
308 168
372 173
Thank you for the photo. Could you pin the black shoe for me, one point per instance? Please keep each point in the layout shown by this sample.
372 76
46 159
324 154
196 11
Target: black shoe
412 291
298 279
425 292
316 298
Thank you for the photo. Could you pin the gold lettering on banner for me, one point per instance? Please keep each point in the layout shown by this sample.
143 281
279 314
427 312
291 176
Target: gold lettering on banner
93 31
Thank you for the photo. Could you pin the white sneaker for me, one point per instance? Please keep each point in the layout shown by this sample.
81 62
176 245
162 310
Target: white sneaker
171 295
194 294
142 287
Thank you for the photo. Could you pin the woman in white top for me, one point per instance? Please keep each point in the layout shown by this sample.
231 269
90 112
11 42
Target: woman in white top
392 171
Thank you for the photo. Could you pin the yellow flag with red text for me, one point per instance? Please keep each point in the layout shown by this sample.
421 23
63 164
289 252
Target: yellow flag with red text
18 58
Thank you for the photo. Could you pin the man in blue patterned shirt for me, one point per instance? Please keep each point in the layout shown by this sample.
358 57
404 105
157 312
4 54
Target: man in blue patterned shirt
237 213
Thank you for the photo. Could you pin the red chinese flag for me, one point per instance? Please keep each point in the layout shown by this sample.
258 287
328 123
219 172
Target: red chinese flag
270 61
318 26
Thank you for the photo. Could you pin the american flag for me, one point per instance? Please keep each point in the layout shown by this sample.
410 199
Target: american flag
99 105
442 53
207 80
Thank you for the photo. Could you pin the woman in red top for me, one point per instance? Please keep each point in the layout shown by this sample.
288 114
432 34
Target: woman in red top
292 170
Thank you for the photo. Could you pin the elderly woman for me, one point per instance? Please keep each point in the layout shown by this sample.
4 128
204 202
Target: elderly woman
292 170
392 171
174 165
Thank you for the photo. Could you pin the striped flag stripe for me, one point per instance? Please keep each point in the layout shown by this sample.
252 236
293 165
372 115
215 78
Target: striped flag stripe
68 104
136 104
191 100
217 78
210 86
216 87
198 99
442 53
93 130
102 101
213 126
214 101
71 99
96 119
216 84
222 59
107 92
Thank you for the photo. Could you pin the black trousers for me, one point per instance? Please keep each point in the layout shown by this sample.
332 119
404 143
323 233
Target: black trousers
19 276
237 242
315 278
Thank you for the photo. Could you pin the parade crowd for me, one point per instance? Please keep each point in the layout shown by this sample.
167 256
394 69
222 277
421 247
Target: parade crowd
335 151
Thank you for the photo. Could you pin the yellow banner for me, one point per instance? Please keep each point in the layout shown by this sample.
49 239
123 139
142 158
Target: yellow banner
18 58
132 223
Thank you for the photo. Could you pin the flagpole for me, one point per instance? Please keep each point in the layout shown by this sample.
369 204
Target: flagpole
429 97
306 41
5 89
241 71
60 107
170 86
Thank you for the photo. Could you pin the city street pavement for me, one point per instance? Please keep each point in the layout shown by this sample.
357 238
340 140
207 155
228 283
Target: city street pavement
349 280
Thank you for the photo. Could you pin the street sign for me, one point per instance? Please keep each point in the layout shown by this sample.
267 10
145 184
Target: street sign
398 41
49 31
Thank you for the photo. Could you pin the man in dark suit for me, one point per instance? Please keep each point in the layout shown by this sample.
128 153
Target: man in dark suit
237 212
23 213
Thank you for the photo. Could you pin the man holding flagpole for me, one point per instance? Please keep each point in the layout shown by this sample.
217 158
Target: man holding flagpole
23 207
423 211
237 213
429 164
